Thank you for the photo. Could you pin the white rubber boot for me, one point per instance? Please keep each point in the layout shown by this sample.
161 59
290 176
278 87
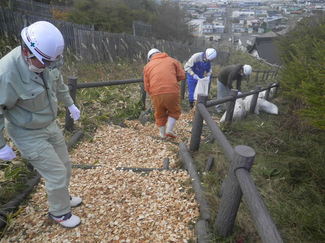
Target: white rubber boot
170 126
162 131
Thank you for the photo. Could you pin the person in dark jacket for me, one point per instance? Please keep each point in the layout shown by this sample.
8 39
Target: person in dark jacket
227 76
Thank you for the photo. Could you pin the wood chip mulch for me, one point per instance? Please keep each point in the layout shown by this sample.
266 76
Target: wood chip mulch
119 206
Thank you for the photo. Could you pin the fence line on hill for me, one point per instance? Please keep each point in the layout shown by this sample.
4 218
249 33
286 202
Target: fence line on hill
42 9
88 45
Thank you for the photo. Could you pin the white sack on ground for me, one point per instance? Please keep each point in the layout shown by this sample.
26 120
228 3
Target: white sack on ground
262 94
261 105
247 104
272 91
239 111
267 106
202 87
242 107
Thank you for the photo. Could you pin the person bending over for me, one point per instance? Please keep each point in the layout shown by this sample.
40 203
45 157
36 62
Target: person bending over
161 75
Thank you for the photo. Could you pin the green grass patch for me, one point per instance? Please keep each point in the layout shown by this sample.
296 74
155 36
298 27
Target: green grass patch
109 104
13 177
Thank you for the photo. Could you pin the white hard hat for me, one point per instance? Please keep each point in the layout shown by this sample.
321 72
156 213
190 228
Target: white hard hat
210 54
247 69
151 52
44 40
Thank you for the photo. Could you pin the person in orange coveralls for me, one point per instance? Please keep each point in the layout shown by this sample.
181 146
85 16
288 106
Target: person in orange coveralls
161 76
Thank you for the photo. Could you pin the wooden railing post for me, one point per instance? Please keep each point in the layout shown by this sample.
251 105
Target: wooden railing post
254 101
231 192
231 106
275 74
276 90
267 75
72 84
262 219
183 89
143 97
267 93
263 77
209 87
197 125
256 78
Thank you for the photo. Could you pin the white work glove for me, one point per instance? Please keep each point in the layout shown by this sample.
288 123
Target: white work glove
196 77
6 153
74 112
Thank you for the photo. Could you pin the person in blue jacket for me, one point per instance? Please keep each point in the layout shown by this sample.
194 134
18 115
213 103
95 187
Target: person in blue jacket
197 67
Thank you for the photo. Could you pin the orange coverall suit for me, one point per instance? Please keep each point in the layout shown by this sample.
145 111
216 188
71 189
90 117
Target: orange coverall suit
161 76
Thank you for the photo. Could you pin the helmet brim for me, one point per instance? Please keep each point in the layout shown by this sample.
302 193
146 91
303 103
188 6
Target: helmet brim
28 43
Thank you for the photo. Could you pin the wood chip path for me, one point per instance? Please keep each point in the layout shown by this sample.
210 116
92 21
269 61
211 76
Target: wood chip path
119 206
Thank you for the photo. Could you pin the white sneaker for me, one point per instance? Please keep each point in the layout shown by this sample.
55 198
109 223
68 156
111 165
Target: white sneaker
75 201
67 220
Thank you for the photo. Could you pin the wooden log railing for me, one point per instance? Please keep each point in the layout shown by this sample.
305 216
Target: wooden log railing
237 184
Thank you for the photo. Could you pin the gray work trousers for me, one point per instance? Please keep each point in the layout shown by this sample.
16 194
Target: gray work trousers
46 150
222 92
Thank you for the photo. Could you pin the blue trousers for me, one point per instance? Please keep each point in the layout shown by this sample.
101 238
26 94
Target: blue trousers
222 92
191 83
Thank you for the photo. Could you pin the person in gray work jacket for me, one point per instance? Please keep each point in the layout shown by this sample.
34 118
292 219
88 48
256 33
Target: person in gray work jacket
226 77
30 87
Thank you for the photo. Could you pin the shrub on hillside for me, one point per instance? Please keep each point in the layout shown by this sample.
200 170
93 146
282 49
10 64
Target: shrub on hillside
303 73
165 21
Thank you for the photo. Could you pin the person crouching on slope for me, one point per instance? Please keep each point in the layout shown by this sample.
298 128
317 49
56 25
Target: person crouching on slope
226 77
161 76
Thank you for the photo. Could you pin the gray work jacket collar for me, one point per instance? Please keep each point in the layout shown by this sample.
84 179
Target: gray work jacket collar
27 75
